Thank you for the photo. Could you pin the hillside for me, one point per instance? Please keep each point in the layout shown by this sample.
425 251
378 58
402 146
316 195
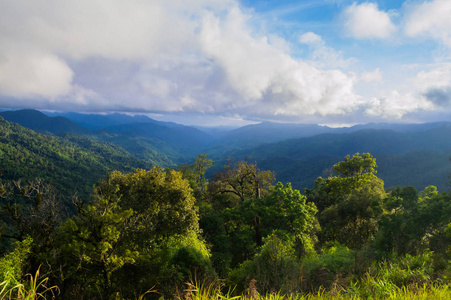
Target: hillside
78 160
414 154
149 140
418 158
161 143
267 132
38 121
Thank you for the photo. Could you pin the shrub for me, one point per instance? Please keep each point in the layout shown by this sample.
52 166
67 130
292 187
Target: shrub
275 267
321 271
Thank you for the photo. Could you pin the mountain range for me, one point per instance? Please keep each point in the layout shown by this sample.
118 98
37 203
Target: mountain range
415 154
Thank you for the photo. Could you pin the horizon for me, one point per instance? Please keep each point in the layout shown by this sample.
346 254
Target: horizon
164 119
231 62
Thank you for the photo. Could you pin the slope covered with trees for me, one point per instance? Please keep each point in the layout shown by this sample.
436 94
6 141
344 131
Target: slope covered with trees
71 163
418 158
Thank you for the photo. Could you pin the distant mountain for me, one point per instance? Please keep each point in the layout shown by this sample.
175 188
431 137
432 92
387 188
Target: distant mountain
267 132
417 157
160 143
216 131
180 142
164 143
96 121
38 121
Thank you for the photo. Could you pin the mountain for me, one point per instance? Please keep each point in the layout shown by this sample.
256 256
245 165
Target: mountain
96 121
417 157
163 143
267 132
186 141
160 143
414 154
72 163
38 121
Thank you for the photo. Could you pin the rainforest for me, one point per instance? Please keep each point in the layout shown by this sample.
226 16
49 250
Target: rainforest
85 214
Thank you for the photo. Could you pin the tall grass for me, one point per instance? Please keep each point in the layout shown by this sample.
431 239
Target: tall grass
214 291
33 288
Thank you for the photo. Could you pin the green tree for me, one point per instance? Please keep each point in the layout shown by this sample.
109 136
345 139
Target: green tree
401 229
195 173
96 237
137 223
350 201
243 180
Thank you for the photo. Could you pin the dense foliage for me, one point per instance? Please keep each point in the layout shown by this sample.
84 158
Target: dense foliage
156 230
71 163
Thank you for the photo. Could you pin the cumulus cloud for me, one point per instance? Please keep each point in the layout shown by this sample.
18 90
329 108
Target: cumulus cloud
366 21
160 56
323 56
435 85
427 90
200 56
33 74
429 19
374 76
395 105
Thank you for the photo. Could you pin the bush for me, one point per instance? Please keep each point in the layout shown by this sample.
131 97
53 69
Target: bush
12 264
323 270
275 267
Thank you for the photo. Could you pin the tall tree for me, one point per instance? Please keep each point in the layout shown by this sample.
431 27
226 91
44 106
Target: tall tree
131 227
350 201
242 180
195 173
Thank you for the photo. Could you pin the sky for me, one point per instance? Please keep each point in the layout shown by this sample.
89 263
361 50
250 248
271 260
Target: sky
230 62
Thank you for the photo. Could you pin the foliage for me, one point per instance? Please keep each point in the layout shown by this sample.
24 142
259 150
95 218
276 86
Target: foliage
195 174
135 225
350 203
71 163
329 268
13 264
275 267
243 180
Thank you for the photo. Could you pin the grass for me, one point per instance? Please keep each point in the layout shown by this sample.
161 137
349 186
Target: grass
214 291
33 288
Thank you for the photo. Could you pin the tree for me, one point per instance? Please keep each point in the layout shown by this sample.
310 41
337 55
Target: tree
195 173
349 203
243 180
95 238
286 210
31 209
133 226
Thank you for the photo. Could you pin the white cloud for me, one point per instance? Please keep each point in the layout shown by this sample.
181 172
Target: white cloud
427 90
311 38
365 20
25 74
429 19
374 76
395 105
323 56
178 56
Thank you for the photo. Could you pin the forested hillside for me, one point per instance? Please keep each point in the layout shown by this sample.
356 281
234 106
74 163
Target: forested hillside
72 163
418 157
158 143
37 121
414 154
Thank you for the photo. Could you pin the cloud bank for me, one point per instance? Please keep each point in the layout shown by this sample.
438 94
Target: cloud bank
199 56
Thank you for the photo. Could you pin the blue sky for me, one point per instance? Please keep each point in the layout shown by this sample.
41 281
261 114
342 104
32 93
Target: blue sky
230 62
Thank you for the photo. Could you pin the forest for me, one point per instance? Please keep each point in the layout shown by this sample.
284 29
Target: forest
82 218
